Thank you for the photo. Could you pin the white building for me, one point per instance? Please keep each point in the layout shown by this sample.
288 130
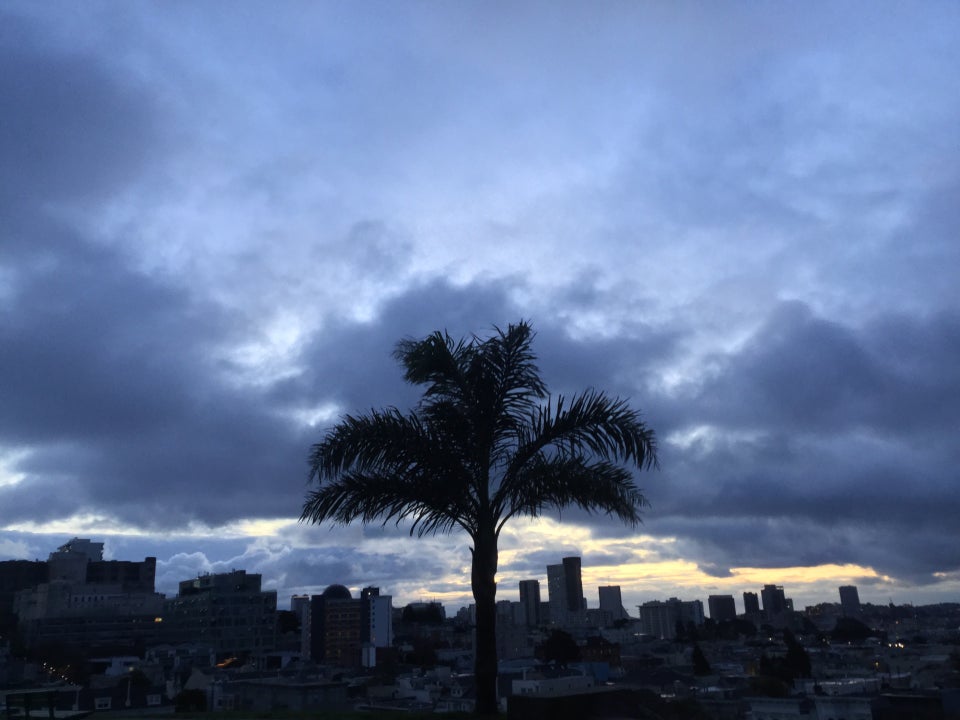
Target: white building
661 618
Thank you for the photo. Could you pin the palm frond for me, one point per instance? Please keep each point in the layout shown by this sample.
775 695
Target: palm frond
366 441
390 466
511 379
576 481
370 497
607 426
591 424
437 361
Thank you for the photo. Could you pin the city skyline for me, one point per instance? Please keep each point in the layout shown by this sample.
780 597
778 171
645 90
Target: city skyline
77 581
170 585
218 224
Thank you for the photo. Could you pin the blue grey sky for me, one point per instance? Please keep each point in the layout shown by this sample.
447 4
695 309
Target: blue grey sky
217 219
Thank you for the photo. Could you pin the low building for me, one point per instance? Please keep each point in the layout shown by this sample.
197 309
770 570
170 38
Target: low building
341 630
90 603
286 694
662 618
227 611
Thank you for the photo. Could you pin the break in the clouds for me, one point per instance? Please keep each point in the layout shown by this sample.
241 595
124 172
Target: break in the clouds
216 222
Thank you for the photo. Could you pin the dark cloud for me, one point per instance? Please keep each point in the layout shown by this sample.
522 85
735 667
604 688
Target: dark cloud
115 393
778 465
73 130
820 442
808 375
114 390
352 192
352 363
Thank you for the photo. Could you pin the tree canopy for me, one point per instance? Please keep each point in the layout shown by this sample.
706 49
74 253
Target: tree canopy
486 443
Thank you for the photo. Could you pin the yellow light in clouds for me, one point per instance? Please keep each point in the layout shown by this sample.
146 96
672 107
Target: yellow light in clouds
656 580
256 527
800 575
527 532
524 534
652 568
673 572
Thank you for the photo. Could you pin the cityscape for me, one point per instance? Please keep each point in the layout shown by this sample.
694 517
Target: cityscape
550 359
79 633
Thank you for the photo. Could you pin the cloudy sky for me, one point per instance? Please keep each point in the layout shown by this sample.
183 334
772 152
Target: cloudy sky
217 219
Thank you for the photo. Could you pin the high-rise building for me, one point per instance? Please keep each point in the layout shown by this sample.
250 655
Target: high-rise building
751 603
574 584
335 627
557 593
565 587
722 607
611 602
376 617
511 613
299 606
661 618
849 601
545 617
774 601
530 601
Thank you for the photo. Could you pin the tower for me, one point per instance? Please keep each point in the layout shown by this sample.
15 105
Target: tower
574 584
774 601
611 601
557 593
849 601
722 607
566 590
530 601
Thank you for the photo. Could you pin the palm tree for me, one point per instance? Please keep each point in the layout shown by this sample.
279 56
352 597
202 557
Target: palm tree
485 444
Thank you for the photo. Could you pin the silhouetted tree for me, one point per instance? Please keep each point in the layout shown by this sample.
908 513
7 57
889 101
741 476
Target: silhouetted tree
766 667
188 701
484 444
797 661
768 685
560 648
794 664
850 629
711 629
701 665
138 679
429 614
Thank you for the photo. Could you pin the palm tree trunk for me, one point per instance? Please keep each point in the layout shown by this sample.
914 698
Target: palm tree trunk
483 581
